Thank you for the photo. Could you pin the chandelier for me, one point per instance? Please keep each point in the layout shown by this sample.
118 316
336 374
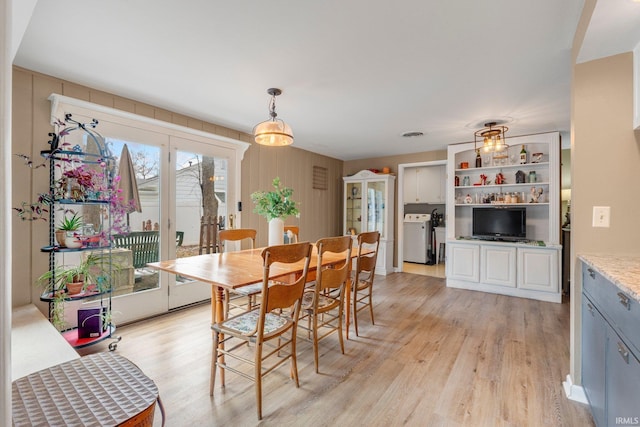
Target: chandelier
491 139
273 132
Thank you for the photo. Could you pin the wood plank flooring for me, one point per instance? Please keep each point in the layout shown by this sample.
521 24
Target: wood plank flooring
435 357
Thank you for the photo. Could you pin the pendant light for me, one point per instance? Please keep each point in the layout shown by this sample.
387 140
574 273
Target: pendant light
491 138
273 132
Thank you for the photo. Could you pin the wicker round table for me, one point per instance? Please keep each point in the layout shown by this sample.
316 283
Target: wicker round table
102 389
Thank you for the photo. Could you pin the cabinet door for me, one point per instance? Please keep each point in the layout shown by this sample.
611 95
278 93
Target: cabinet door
463 262
410 190
353 208
429 185
498 265
538 269
623 377
594 341
376 207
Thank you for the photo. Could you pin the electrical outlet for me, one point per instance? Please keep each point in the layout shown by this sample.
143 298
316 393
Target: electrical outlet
601 216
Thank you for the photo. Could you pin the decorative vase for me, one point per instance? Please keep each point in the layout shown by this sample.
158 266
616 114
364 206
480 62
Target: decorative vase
276 232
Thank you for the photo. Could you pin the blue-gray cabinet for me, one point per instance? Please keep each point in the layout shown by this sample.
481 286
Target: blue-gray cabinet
594 344
610 343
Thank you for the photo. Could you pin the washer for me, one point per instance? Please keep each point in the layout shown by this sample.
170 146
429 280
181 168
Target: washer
417 238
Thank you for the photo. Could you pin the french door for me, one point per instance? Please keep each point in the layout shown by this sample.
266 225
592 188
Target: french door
171 174
200 178
172 166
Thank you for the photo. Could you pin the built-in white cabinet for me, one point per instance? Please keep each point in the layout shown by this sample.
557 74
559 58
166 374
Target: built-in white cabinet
425 184
368 206
463 262
538 269
497 266
516 269
529 269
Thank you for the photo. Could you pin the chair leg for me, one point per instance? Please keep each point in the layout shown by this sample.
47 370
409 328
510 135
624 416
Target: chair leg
226 303
294 357
214 359
355 311
258 379
371 304
340 325
315 339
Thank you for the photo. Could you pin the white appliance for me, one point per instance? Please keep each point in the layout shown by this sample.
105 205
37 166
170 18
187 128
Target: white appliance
417 238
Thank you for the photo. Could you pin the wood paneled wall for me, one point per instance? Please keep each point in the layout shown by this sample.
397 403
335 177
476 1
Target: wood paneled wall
320 210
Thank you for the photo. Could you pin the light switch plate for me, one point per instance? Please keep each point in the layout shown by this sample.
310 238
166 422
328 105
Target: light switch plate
601 216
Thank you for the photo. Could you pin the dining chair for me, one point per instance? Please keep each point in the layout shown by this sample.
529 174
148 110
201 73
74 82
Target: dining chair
250 291
323 303
266 327
208 232
295 230
362 284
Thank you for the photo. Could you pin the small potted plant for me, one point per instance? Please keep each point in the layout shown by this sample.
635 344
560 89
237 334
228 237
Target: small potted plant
275 206
68 224
92 273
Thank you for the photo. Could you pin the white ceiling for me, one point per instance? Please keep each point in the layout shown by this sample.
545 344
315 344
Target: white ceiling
354 74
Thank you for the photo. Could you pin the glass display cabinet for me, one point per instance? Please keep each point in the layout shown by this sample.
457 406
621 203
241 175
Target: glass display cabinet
368 206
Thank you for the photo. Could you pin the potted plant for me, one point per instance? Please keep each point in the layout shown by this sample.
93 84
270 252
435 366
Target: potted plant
62 281
67 224
275 206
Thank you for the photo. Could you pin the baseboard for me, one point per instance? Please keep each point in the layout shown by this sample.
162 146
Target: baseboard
574 392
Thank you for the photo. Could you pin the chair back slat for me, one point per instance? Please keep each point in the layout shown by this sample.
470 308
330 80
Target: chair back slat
335 277
281 295
236 234
208 234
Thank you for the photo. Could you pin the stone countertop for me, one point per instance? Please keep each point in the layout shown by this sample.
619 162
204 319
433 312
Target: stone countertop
621 270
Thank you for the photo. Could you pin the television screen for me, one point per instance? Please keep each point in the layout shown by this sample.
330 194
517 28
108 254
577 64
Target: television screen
507 223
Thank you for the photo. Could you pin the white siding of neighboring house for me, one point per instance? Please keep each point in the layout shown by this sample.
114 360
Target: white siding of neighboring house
188 205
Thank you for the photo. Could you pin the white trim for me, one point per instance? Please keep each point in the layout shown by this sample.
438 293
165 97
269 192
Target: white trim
574 392
400 218
58 100
5 207
636 87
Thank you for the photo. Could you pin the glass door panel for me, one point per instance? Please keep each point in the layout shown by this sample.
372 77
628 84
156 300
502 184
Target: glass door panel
376 205
198 192
354 208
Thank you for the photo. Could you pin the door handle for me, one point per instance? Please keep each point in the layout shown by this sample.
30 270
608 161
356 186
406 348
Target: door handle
592 273
591 309
624 352
624 300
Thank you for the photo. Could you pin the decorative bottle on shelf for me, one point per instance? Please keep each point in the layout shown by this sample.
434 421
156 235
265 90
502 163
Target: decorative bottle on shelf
478 159
523 155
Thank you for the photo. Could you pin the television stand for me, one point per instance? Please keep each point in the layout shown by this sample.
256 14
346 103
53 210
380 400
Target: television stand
527 269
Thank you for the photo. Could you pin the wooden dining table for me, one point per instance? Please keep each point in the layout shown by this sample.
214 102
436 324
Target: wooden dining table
232 270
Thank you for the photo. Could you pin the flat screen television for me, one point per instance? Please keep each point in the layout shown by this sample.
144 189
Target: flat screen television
508 223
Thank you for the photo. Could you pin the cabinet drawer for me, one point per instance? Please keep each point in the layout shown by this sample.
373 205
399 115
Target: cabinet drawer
620 309
622 379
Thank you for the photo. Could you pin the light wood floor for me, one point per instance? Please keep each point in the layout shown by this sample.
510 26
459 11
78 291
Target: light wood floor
437 270
435 357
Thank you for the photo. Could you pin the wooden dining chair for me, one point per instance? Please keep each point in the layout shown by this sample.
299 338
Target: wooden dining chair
271 327
208 233
250 291
323 304
362 284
